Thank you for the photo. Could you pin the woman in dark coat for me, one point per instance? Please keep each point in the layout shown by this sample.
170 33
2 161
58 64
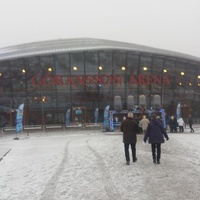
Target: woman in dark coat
130 129
155 134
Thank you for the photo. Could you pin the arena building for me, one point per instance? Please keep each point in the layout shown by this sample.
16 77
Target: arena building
83 75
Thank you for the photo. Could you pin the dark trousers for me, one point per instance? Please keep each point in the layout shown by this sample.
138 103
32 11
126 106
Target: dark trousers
126 149
173 129
181 129
156 151
191 129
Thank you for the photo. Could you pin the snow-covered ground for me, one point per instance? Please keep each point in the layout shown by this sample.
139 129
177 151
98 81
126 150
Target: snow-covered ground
90 165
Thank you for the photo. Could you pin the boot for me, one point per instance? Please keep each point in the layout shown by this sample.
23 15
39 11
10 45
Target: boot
154 160
135 159
128 163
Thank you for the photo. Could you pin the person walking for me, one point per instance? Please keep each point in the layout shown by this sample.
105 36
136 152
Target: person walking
144 123
155 135
190 122
130 129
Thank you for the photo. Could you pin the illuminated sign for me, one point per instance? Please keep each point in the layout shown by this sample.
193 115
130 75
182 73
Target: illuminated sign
59 80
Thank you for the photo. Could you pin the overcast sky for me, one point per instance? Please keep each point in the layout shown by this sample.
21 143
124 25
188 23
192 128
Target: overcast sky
171 25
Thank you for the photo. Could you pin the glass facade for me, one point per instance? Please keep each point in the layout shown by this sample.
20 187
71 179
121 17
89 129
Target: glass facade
50 85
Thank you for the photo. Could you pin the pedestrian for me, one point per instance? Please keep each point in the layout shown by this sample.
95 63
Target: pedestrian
173 124
155 135
190 122
181 124
130 129
144 123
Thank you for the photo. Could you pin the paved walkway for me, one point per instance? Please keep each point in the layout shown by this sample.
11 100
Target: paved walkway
91 165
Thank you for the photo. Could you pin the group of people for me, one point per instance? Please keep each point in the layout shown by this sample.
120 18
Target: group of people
174 123
154 133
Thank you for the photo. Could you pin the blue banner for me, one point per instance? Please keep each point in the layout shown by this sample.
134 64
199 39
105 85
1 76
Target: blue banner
67 116
178 111
163 116
19 118
106 116
96 115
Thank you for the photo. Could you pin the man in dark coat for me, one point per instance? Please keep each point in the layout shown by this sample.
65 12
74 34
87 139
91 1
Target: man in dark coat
190 122
155 134
130 129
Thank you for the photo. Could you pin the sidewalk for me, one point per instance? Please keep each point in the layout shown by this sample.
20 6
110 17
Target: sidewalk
89 165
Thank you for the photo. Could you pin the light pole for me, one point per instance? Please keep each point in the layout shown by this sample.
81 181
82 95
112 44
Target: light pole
42 105
162 87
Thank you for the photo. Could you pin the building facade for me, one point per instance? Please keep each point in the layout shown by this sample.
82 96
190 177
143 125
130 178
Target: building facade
85 74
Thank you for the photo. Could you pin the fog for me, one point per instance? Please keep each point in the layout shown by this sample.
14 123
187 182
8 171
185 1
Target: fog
171 25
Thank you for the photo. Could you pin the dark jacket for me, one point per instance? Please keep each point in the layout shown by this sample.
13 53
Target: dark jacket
130 128
155 132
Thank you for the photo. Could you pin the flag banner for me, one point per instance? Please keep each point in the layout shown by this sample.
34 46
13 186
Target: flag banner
96 115
19 118
106 116
163 116
178 111
67 116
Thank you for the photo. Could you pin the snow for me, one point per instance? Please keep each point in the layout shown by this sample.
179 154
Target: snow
80 165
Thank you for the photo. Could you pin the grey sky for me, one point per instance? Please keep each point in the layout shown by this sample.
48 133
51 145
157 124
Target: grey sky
171 25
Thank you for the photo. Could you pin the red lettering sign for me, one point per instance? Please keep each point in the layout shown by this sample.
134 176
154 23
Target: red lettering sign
59 80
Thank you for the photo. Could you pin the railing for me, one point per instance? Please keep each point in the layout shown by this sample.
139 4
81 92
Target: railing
92 126
33 127
74 126
51 127
8 129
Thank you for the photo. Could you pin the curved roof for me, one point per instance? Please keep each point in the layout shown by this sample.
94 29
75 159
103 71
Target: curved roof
82 44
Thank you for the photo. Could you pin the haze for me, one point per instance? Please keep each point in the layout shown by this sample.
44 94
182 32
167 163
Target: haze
171 25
